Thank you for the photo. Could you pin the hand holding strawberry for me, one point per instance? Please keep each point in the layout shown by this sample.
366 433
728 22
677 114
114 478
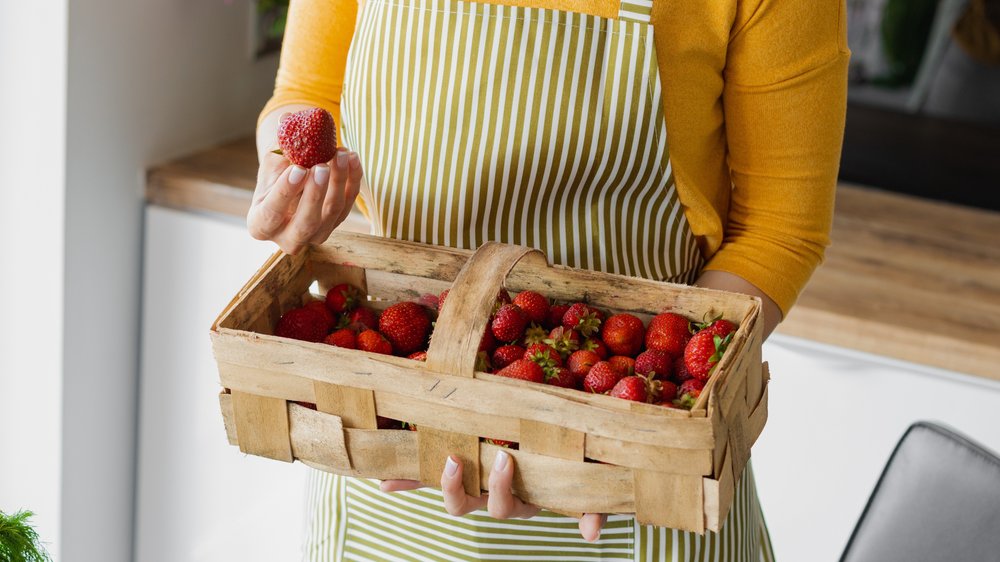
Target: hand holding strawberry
300 199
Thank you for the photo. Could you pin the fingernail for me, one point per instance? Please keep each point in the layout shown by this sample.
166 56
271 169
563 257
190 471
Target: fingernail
450 467
296 175
355 161
342 160
321 174
500 461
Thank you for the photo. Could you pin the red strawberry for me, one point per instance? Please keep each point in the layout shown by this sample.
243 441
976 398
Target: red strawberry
601 378
304 324
654 362
383 422
634 388
362 318
624 365
582 318
507 354
564 341
581 361
343 298
500 443
689 392
441 298
703 353
343 337
406 325
544 355
667 404
668 332
374 342
509 323
556 313
488 343
681 373
535 334
418 356
623 334
597 346
560 376
320 308
534 305
308 137
664 390
523 369
721 327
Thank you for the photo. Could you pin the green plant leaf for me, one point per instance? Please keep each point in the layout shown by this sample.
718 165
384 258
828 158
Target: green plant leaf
19 542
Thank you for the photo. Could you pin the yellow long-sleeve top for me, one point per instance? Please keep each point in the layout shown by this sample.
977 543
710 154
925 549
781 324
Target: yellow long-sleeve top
754 94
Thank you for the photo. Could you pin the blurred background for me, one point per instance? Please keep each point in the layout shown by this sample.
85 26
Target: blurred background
126 164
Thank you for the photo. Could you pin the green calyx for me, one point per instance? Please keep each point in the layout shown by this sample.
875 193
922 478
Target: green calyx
588 324
720 347
534 334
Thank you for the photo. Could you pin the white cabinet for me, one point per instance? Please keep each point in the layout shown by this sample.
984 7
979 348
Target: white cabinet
198 498
834 417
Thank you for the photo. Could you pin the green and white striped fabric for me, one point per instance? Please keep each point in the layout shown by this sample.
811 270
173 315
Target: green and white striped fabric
528 125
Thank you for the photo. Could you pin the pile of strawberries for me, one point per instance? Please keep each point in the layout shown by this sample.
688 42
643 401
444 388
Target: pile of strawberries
574 345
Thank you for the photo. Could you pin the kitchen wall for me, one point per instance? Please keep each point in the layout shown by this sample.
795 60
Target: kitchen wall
112 87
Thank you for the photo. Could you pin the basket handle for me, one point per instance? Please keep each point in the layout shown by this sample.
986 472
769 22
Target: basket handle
460 326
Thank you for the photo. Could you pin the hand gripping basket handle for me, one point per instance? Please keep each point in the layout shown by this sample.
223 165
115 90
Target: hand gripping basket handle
454 345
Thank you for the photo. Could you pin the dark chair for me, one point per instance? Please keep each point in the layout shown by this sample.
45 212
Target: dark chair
938 500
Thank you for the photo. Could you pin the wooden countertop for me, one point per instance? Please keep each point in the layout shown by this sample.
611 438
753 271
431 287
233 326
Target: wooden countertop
907 278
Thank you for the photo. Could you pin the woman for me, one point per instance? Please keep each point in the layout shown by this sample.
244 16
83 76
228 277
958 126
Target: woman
681 140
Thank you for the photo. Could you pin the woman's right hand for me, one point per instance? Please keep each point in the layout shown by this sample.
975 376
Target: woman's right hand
295 207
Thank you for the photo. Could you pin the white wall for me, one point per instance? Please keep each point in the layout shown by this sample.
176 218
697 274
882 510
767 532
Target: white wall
32 145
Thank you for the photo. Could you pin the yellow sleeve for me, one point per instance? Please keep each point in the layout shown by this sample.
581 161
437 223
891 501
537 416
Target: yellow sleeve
784 102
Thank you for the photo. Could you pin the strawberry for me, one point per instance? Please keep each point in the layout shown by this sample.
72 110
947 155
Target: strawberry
634 388
488 343
309 405
556 313
441 298
623 334
561 377
582 318
308 137
507 354
681 373
668 332
534 305
624 365
601 378
667 404
563 340
653 362
406 325
721 327
343 337
383 422
374 342
664 390
343 298
581 361
597 346
500 443
523 369
303 323
322 310
509 323
418 356
361 318
544 355
535 334
703 353
689 392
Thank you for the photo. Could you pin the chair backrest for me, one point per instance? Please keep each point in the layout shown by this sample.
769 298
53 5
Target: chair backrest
938 500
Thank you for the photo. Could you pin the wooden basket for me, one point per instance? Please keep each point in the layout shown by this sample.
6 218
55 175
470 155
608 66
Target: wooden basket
672 468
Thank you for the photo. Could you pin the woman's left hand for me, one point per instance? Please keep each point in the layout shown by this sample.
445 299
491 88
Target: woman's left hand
500 501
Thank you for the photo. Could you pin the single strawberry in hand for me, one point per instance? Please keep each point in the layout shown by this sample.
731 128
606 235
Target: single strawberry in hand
634 388
343 337
581 361
668 332
507 354
406 325
601 378
343 298
303 323
523 369
704 352
534 305
583 319
654 362
374 342
509 323
307 137
623 334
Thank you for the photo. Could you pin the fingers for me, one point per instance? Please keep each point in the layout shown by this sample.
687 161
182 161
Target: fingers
591 525
399 485
268 217
308 215
339 197
353 185
456 501
501 503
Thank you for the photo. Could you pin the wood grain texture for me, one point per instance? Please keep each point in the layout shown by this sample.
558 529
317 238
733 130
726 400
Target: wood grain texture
905 277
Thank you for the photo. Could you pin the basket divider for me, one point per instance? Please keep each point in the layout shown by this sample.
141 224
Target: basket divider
355 406
262 426
669 500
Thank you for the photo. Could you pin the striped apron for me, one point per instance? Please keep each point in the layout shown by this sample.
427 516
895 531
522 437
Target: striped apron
533 126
